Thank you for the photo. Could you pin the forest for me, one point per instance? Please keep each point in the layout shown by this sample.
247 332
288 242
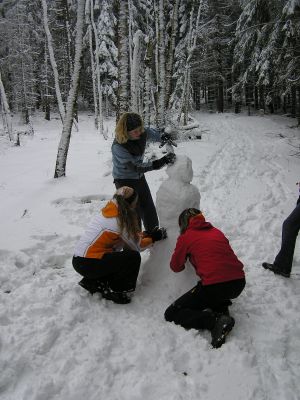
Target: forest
159 58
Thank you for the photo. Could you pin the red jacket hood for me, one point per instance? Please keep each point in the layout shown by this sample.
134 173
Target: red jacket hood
198 222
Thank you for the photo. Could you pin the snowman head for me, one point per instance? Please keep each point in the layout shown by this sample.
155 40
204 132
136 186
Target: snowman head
181 170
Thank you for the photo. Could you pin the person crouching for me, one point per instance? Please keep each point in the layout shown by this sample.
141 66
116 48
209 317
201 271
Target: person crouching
108 254
205 306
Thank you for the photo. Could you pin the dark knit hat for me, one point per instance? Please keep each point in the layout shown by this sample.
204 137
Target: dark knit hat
133 121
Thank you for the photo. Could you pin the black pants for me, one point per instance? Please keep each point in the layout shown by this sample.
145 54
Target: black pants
189 310
290 230
145 208
119 269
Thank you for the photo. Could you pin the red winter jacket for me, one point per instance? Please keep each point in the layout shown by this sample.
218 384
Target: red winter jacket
209 252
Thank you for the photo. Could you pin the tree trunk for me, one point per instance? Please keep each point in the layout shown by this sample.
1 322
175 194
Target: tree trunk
161 67
192 41
93 76
61 107
261 97
256 103
99 89
220 99
298 105
6 112
63 148
294 101
123 59
135 69
147 89
171 52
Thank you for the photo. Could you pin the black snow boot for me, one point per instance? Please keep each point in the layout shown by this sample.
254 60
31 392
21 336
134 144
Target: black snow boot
277 270
116 297
91 285
223 325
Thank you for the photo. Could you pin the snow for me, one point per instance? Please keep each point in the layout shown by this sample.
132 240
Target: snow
58 342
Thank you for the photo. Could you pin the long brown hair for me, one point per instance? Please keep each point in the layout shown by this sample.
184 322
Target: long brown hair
127 216
121 127
185 216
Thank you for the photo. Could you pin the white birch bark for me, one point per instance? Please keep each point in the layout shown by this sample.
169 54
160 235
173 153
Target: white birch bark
6 112
162 67
135 71
60 103
63 148
99 90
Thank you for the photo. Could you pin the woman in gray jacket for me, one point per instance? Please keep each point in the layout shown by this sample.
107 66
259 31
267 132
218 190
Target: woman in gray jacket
128 151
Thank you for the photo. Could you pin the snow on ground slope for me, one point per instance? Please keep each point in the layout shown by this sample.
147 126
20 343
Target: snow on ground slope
58 342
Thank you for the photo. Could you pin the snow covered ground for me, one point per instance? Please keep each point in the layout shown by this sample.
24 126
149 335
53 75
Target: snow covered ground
57 342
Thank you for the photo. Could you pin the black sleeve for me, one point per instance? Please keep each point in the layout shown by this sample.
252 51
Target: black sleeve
139 168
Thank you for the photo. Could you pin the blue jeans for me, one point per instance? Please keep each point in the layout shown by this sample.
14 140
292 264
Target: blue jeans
290 229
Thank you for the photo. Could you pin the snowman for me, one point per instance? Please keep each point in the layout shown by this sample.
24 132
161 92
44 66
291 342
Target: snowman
176 193
173 196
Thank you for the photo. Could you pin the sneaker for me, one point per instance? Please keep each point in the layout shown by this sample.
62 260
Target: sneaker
223 325
277 270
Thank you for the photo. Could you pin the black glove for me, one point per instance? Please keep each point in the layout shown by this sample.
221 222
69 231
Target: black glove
298 201
158 164
167 159
140 168
165 137
171 157
158 234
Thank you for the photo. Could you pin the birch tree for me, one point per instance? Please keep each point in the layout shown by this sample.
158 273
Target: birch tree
61 160
135 72
6 112
59 99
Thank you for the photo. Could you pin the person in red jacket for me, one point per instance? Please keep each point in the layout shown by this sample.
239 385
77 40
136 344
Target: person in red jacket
205 306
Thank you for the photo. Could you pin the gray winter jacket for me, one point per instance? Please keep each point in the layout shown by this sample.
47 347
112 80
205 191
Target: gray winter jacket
127 163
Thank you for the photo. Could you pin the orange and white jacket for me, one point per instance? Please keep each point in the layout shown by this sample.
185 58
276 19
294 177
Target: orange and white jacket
103 235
